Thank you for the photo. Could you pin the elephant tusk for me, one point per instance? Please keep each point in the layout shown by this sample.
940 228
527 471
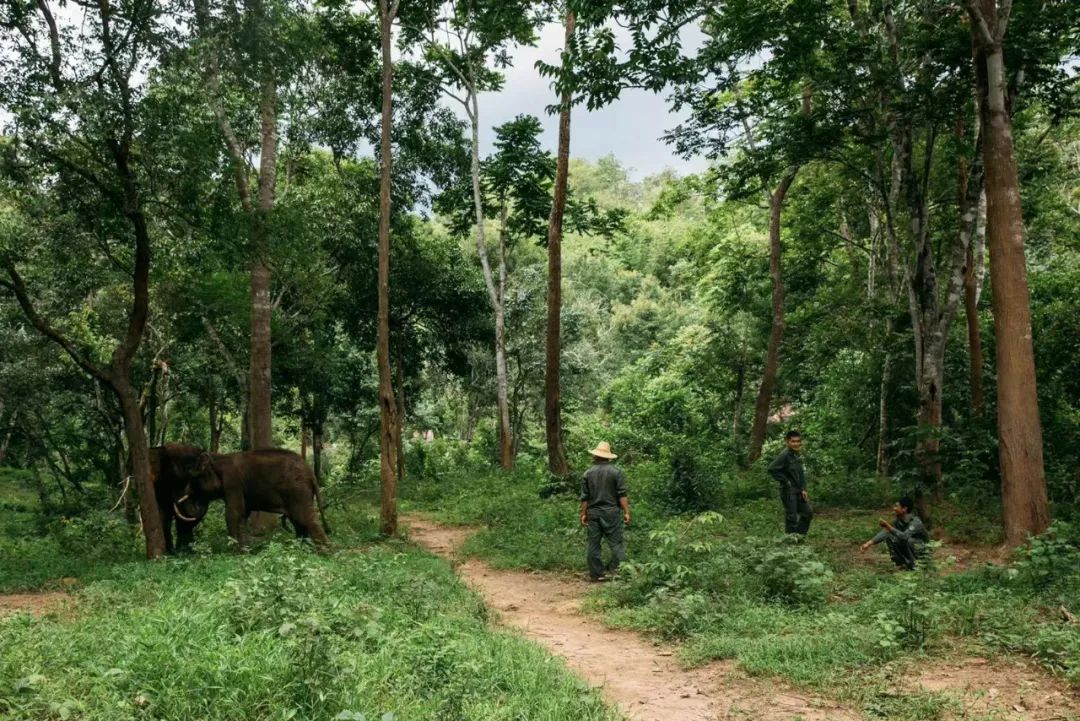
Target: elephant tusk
181 516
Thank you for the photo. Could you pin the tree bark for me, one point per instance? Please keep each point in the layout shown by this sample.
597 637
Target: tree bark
495 289
974 263
557 464
776 335
387 409
1023 479
259 424
215 422
883 416
399 436
972 290
317 448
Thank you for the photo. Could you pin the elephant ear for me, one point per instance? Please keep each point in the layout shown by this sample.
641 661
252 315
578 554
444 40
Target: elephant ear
208 471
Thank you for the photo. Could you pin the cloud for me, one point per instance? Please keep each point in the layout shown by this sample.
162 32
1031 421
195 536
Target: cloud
630 128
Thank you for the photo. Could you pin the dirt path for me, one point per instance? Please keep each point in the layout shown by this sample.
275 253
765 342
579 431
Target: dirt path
37 604
642 679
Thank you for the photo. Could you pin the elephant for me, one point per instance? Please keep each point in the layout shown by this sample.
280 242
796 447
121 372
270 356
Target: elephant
168 475
272 480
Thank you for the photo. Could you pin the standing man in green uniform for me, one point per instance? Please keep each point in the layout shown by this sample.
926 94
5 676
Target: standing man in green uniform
603 495
906 537
787 469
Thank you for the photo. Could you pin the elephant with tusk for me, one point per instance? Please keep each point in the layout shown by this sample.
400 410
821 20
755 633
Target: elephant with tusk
168 475
270 480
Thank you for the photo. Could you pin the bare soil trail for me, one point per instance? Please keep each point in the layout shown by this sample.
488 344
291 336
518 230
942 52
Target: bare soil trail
642 679
37 604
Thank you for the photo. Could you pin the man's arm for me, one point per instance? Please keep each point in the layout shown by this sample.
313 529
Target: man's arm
778 468
583 496
881 536
622 493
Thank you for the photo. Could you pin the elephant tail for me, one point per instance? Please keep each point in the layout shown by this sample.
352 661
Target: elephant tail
319 501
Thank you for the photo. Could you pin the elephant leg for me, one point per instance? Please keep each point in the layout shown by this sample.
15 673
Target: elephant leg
308 526
236 516
166 527
185 534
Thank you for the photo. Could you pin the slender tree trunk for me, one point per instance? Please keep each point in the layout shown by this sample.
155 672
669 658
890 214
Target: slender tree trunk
973 264
1023 480
557 464
399 440
259 424
140 469
972 289
152 404
305 439
883 415
317 448
387 414
776 335
215 422
495 290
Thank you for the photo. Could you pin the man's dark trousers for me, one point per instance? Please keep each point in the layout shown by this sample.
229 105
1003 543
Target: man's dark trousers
604 523
903 552
797 510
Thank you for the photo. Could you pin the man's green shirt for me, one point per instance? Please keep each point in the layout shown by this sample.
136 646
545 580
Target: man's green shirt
788 469
602 486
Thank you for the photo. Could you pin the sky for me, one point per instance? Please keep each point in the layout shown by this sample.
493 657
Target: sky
630 127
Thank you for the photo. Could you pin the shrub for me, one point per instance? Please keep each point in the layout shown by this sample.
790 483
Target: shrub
789 571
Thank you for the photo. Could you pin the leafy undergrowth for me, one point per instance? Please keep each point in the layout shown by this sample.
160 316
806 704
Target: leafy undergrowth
725 584
283 633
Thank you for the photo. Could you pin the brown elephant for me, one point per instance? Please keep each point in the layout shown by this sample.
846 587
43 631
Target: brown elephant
272 480
168 474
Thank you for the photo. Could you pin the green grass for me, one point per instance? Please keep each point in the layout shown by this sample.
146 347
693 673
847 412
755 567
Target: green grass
370 630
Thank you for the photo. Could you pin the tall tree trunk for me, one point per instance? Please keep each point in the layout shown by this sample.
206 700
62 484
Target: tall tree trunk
399 440
557 464
972 290
495 290
973 265
215 422
883 416
259 424
387 410
776 335
740 387
317 448
152 404
305 438
1023 479
140 468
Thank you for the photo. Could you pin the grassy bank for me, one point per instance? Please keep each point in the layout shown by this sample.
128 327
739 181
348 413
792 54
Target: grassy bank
371 630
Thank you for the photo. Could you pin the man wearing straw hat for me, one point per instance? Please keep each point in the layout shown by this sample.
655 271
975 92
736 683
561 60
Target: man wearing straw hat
603 495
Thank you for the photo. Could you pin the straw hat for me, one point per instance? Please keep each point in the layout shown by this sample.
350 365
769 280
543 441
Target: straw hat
603 450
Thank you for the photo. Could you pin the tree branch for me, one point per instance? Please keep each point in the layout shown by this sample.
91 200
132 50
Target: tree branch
978 21
18 287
